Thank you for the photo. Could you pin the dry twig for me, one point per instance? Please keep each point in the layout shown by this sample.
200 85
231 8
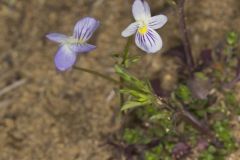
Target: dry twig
12 86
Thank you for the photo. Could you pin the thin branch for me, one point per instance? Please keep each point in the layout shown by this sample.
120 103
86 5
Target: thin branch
12 86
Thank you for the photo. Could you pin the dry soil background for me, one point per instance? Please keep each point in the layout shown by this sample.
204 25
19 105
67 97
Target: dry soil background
64 116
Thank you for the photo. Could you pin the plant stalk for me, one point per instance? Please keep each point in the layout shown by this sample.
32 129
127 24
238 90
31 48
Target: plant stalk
185 39
123 63
193 121
95 73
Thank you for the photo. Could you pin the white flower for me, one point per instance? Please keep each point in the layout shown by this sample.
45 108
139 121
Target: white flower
146 37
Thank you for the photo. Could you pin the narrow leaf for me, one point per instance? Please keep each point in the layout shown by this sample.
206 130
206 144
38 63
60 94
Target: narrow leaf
132 104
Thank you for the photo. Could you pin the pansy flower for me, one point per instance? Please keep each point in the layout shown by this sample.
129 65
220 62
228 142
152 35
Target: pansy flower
71 46
146 37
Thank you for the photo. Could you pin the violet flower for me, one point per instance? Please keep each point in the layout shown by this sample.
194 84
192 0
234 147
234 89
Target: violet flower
146 37
69 48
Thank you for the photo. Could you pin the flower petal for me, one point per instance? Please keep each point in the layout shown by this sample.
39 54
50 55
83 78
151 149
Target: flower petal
150 42
130 30
57 37
65 58
157 21
83 48
141 10
84 28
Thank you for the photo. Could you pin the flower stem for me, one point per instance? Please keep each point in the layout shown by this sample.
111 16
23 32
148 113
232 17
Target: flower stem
185 38
95 73
125 52
123 63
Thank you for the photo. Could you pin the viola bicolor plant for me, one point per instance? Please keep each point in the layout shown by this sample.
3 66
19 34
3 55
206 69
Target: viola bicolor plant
71 46
146 37
184 101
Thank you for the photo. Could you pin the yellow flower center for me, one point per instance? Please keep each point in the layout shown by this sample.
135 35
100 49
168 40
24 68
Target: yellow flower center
73 41
143 29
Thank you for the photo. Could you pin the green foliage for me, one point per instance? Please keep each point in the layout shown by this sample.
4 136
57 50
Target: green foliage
156 121
151 156
139 91
183 93
132 104
232 38
126 63
201 75
159 120
147 112
131 81
231 99
208 154
197 106
218 75
132 136
154 154
160 152
222 130
159 116
163 117
223 133
138 99
132 60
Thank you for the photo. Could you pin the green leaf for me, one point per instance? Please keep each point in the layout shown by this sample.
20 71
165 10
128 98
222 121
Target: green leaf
133 93
132 104
132 81
158 116
151 156
183 92
132 136
132 60
201 76
231 99
232 38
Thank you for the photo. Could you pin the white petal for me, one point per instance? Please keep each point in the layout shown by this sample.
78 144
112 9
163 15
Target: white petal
130 30
150 42
141 10
157 21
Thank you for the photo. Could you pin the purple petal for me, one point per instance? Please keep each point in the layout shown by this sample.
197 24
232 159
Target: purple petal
65 58
84 28
150 42
57 37
83 48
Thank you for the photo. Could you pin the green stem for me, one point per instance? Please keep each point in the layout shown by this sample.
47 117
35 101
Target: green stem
97 74
124 58
125 52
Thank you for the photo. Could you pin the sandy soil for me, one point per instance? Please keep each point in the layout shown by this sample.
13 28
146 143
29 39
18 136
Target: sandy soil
65 116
